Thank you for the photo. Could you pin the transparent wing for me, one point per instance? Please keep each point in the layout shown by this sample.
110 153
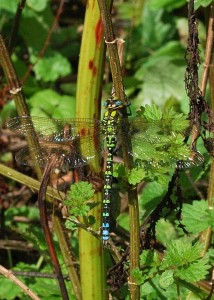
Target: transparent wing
160 143
55 129
66 137
63 158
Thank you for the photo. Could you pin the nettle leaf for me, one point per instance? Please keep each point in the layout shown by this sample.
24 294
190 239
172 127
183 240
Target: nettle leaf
119 170
185 260
165 231
166 279
51 66
180 253
152 113
197 216
195 271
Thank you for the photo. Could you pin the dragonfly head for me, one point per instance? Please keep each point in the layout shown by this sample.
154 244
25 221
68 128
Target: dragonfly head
113 103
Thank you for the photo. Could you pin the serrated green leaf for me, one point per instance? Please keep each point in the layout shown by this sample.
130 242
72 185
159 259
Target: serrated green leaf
195 216
185 260
138 276
166 279
45 98
151 196
77 198
136 175
81 191
155 27
152 113
38 23
203 3
48 103
181 252
195 271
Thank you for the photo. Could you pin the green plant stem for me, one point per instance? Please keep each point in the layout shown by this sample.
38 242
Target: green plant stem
90 73
68 255
206 235
126 145
134 242
30 182
112 51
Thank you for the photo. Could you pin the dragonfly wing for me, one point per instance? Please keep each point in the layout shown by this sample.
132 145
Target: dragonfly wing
158 143
195 159
55 129
23 157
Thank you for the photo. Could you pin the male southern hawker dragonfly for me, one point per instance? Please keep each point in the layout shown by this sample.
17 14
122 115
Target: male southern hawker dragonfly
78 141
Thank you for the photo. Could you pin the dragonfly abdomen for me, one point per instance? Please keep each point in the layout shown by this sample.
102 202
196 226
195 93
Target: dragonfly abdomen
110 131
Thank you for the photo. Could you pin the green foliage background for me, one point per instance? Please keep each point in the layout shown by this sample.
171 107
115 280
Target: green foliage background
156 35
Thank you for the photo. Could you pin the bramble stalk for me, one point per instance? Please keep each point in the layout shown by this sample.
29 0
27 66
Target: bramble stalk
90 73
16 91
112 50
126 144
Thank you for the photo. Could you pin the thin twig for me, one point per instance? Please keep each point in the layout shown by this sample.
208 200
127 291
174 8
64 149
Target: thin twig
9 275
47 42
45 226
16 24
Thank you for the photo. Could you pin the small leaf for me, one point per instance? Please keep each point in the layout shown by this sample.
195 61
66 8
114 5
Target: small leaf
195 271
69 224
185 260
51 67
149 258
81 191
196 216
138 276
166 279
136 175
152 113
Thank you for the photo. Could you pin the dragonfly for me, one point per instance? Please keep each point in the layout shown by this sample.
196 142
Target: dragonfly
154 144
